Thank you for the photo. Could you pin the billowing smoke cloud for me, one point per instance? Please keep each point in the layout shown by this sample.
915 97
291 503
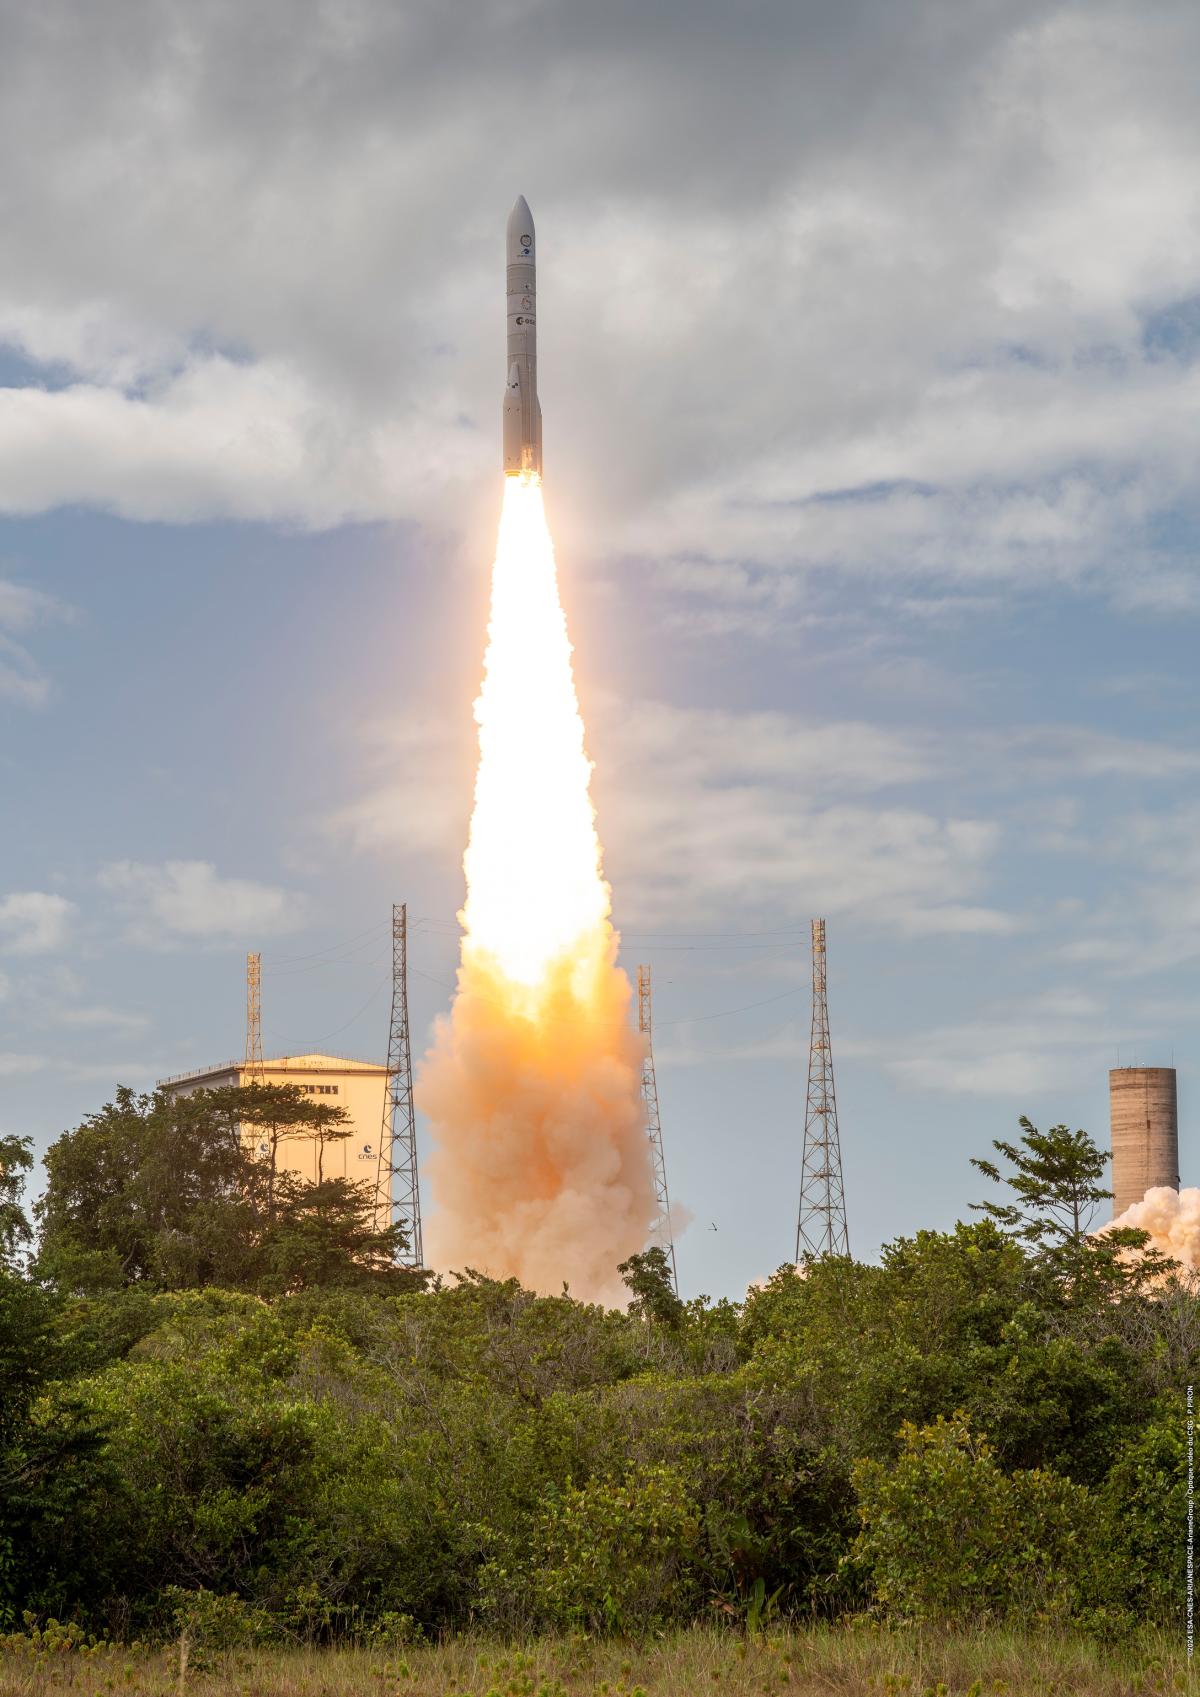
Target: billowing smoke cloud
1172 1217
541 1168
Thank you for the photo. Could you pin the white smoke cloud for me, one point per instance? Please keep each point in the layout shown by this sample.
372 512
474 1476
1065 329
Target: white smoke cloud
1172 1217
541 1166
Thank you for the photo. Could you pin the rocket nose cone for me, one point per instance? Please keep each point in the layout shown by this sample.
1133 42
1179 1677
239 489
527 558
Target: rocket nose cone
520 221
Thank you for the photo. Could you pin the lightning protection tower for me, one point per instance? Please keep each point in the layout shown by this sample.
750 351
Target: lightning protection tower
397 1182
821 1228
660 1232
254 1048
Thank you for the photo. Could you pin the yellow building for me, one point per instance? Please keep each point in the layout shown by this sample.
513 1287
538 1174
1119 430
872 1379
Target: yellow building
360 1087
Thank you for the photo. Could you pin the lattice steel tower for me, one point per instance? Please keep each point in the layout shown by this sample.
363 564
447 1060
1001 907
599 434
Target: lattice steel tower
821 1228
254 1050
397 1181
660 1233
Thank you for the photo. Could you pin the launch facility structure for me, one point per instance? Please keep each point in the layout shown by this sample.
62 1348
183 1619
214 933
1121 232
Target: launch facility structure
359 1087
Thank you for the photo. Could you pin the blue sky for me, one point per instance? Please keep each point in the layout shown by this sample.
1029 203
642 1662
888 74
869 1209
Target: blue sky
869 372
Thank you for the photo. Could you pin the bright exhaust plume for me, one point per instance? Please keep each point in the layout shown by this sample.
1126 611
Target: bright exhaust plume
541 1167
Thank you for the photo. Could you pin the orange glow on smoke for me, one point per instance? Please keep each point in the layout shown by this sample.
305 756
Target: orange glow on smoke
533 1084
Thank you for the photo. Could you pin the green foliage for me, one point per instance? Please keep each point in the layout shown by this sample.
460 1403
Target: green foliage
777 1507
1146 1499
27 1359
225 1414
54 1641
16 1158
1054 1180
652 1286
174 1192
214 1621
1056 1192
949 1537
28 1348
608 1556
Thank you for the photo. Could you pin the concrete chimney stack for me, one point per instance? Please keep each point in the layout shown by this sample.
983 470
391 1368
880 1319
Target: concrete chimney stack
1145 1132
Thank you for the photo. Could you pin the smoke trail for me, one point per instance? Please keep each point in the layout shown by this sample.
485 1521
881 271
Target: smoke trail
1172 1217
541 1168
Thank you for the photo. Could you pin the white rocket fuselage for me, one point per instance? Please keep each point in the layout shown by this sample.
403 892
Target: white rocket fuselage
522 413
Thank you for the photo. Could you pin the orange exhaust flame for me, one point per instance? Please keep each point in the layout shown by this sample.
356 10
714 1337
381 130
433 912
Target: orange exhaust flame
541 1168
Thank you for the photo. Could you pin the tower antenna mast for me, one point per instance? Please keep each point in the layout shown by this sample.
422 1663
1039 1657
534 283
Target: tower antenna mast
821 1228
660 1232
254 1048
397 1182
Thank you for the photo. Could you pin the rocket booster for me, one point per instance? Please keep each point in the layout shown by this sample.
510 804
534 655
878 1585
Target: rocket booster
522 413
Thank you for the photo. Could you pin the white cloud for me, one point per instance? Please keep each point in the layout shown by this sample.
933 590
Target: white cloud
1050 752
806 302
22 608
188 898
1149 917
101 1018
15 1065
138 1073
703 809
33 922
419 777
693 1042
218 438
21 678
1058 1042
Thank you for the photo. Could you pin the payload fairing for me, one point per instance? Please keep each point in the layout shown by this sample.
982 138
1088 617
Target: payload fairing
522 413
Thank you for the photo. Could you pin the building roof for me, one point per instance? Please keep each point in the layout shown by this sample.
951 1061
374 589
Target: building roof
279 1063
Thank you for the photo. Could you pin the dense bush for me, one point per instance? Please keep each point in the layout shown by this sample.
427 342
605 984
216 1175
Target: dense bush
973 1430
949 1536
611 1555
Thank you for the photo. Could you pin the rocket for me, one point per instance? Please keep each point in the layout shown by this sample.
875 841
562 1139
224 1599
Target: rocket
522 415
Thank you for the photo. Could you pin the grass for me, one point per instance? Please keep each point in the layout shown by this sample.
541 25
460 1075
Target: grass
825 1662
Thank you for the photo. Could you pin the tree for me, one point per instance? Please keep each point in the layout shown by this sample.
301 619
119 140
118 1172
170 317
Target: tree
1057 1192
326 1234
271 1115
16 1158
178 1192
648 1278
145 1181
1055 1183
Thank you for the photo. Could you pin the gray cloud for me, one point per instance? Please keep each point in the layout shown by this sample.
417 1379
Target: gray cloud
857 285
